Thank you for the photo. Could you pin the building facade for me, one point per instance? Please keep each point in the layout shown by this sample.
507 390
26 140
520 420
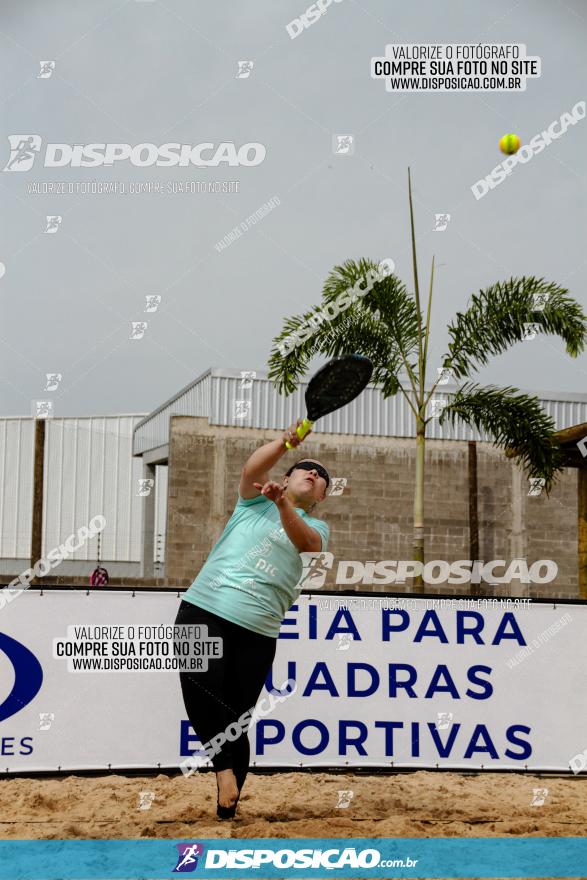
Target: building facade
206 432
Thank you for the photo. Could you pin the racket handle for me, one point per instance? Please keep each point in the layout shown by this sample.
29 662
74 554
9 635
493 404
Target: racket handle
301 431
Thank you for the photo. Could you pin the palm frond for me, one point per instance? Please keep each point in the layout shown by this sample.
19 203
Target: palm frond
497 318
381 324
514 421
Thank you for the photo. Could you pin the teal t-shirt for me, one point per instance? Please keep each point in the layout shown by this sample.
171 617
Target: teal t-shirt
251 574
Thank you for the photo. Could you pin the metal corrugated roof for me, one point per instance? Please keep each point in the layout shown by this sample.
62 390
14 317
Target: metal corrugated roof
193 400
216 393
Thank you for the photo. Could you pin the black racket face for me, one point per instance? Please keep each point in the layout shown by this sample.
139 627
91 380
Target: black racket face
336 384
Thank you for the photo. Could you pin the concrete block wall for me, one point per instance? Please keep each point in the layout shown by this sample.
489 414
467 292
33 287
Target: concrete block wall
372 520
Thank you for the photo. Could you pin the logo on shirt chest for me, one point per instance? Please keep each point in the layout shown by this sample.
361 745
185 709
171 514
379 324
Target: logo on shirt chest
263 565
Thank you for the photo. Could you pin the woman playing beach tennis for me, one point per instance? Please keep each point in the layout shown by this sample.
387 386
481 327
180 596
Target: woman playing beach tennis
242 594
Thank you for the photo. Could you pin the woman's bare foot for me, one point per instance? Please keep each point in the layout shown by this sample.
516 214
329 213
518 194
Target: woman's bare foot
227 788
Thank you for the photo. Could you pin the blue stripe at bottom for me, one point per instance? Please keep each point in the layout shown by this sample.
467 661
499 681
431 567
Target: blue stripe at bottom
531 857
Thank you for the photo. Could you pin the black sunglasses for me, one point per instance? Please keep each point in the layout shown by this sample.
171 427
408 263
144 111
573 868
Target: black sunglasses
311 466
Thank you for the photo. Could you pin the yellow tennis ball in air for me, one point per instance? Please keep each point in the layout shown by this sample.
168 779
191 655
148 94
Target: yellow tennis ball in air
510 143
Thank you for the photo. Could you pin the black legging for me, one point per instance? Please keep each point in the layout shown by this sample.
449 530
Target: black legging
231 685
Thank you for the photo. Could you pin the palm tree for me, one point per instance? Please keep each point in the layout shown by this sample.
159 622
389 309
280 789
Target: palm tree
388 325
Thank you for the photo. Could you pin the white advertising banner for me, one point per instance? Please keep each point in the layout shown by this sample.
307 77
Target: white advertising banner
380 682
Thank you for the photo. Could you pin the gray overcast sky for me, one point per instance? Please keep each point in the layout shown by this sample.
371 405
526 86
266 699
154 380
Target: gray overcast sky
159 72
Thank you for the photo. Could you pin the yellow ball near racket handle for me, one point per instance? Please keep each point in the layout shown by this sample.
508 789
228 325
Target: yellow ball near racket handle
301 431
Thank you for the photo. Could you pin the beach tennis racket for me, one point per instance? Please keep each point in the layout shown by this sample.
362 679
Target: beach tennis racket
333 386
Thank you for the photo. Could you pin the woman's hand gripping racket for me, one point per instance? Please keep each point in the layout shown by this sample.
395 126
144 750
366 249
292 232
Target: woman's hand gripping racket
333 386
